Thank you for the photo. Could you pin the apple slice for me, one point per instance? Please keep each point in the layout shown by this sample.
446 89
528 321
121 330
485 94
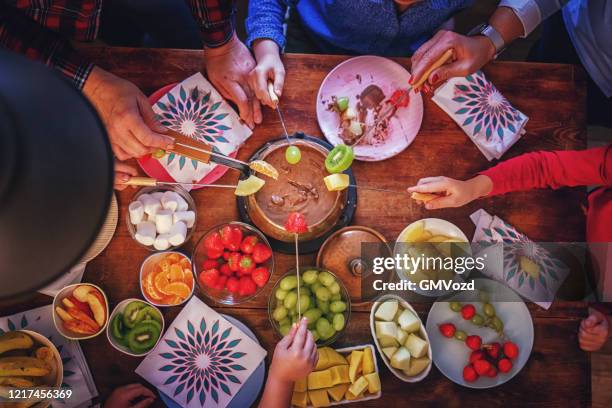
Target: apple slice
82 317
63 314
386 311
81 291
401 359
96 303
416 346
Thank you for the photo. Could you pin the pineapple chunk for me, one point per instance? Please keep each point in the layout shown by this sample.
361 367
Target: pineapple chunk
320 379
368 361
300 385
359 386
389 351
386 311
386 330
373 382
409 322
340 374
337 391
318 398
299 399
417 365
355 366
416 346
401 359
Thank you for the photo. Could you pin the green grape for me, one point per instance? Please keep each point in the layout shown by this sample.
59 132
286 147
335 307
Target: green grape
460 335
488 310
304 302
284 330
455 306
337 307
158 153
313 315
497 324
279 313
323 294
338 322
324 306
305 290
478 320
310 277
285 322
280 294
323 327
334 288
293 155
315 335
327 279
335 296
288 283
290 300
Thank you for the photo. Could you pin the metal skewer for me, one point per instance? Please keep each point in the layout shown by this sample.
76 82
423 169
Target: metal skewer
151 182
297 268
275 100
212 153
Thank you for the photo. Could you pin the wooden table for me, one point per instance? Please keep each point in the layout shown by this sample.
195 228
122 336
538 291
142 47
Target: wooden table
553 96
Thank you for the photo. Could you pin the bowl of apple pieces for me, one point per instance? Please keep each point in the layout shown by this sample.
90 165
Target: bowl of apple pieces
80 311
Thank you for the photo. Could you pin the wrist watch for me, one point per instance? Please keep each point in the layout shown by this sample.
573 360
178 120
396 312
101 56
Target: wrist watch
492 34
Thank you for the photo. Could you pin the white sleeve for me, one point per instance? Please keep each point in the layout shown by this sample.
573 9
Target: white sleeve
532 12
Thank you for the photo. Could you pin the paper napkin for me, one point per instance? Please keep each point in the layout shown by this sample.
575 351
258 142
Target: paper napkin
77 376
202 360
195 109
483 113
538 284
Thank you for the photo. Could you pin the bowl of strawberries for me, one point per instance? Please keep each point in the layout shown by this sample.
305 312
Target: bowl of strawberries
232 263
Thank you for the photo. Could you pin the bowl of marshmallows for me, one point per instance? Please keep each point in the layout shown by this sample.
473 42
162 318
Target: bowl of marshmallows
161 218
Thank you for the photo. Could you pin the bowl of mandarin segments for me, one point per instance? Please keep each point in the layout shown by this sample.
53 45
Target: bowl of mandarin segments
166 279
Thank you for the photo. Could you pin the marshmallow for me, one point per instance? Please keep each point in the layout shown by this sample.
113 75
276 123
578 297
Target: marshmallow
145 233
163 221
157 195
178 233
181 203
188 217
151 218
169 200
144 197
151 205
161 242
136 210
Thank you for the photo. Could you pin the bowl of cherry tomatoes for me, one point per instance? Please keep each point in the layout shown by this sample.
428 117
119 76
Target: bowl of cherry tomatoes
232 263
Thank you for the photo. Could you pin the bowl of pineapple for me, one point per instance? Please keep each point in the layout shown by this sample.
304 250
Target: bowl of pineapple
401 338
341 376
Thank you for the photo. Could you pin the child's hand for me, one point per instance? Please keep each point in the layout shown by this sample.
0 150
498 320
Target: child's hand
123 397
453 193
594 331
295 355
123 172
269 69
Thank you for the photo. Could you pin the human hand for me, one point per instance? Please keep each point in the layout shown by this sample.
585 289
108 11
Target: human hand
295 356
453 193
123 397
126 114
594 331
123 172
269 68
228 67
469 55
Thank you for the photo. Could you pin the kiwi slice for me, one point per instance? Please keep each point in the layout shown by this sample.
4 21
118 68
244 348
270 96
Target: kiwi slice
339 158
143 337
132 315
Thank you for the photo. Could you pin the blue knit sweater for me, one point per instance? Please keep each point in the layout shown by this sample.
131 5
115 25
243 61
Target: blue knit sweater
354 26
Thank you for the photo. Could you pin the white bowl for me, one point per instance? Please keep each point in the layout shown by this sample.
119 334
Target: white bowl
119 309
436 226
146 268
422 332
57 321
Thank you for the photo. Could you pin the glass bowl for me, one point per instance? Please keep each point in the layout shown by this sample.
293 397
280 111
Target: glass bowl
199 256
191 206
163 263
273 301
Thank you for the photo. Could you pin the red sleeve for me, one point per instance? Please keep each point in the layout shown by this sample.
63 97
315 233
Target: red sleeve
565 168
215 19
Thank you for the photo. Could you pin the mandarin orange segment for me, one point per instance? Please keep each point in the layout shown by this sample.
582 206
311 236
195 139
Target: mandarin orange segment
172 300
173 258
188 278
176 273
185 263
149 288
179 289
160 281
164 264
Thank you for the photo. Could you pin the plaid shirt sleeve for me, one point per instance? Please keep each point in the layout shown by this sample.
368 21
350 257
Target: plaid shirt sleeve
216 19
22 35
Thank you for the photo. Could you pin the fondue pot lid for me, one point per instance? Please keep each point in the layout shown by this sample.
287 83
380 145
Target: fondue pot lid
342 254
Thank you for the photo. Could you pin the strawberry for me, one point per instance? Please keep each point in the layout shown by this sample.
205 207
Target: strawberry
226 255
468 311
492 372
476 355
511 350
469 374
447 329
246 265
213 254
260 276
246 286
248 244
296 223
213 244
493 350
234 261
209 264
261 253
232 285
482 367
221 282
209 277
504 365
231 237
225 270
473 342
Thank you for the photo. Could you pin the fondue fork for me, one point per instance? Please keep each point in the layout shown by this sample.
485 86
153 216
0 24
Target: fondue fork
275 100
151 182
